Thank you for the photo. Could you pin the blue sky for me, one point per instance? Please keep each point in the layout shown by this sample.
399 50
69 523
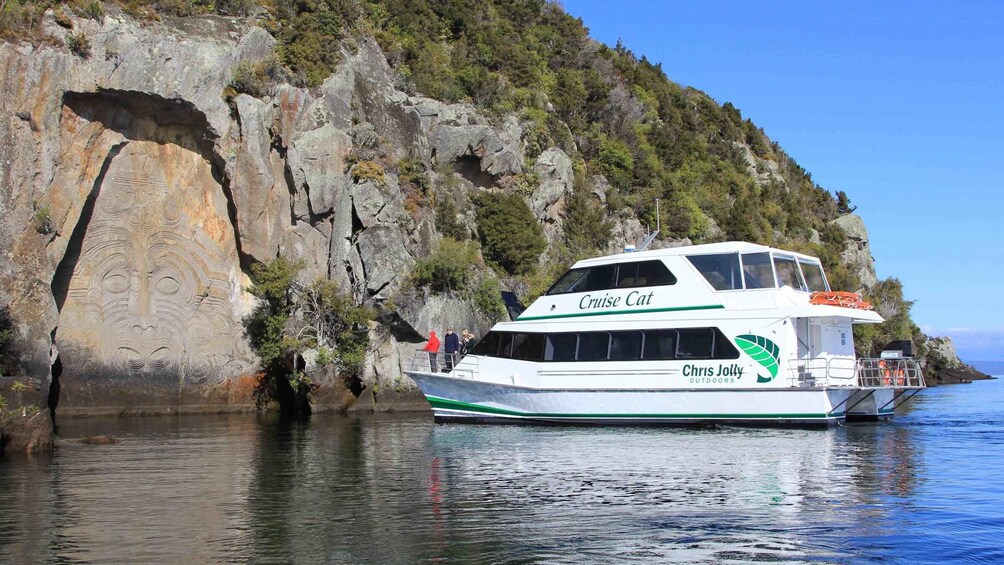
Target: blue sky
901 105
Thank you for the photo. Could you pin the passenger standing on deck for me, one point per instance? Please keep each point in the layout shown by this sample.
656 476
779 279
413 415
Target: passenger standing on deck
433 348
451 347
466 342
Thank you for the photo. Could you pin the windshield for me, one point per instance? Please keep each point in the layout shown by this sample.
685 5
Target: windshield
788 273
722 270
757 270
568 281
814 278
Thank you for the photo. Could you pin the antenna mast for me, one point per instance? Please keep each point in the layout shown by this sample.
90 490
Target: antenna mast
658 226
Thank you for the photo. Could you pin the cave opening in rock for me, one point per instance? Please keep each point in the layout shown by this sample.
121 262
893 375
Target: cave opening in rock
469 167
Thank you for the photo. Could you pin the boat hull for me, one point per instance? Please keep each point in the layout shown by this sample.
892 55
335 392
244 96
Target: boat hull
877 404
456 399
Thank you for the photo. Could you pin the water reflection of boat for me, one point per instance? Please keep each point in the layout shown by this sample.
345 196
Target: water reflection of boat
676 495
727 332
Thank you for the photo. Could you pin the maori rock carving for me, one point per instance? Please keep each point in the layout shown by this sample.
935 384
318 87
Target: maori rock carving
156 292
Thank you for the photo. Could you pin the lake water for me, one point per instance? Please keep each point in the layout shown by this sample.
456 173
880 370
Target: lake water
925 487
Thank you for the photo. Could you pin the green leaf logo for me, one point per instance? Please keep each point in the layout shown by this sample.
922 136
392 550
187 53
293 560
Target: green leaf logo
763 351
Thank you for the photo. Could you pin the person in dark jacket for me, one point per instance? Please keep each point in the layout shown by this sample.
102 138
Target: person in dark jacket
451 345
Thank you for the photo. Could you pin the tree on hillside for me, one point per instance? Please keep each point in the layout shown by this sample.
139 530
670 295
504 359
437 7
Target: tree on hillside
887 297
510 235
844 203
586 228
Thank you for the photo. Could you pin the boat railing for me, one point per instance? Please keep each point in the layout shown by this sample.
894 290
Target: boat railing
897 373
821 372
845 371
445 363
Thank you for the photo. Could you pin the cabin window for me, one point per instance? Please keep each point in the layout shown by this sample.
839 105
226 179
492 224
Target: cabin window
529 347
621 275
593 346
723 347
788 273
598 278
627 275
505 345
814 277
625 346
660 344
695 344
721 271
654 273
688 343
644 273
568 281
560 347
757 271
489 345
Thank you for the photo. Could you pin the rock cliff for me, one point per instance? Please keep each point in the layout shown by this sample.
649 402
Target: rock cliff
136 196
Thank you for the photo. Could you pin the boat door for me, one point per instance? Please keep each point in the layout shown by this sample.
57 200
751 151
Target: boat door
809 336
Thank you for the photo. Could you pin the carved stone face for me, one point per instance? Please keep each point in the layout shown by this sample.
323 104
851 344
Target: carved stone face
156 288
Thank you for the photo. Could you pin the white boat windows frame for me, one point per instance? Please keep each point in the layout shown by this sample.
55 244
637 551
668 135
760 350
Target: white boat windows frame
796 261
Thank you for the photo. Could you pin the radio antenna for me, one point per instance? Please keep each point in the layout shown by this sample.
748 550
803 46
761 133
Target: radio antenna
658 227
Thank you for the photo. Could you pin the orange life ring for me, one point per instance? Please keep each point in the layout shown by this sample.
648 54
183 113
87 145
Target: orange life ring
842 299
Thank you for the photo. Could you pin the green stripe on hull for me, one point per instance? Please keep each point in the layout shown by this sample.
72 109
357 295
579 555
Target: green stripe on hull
447 404
614 312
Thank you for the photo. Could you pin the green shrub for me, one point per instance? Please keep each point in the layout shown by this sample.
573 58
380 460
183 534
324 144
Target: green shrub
43 220
525 183
291 317
368 171
615 161
488 299
412 176
325 356
415 183
586 228
235 7
510 235
62 18
93 10
257 79
79 44
447 268
309 36
446 219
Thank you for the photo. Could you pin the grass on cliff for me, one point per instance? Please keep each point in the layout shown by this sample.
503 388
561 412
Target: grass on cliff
21 20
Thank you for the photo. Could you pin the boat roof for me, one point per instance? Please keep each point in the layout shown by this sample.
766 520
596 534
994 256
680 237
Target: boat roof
703 249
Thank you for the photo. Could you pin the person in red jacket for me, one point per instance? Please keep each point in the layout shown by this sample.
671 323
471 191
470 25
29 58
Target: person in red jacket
433 348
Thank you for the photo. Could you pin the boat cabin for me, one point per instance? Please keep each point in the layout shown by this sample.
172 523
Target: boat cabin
686 303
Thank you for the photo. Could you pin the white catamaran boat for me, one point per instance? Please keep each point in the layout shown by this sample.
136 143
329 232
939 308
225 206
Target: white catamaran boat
727 332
